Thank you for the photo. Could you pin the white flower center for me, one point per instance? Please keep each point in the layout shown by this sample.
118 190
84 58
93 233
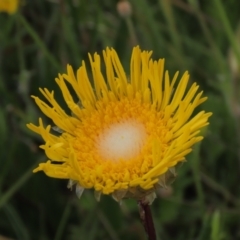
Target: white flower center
122 140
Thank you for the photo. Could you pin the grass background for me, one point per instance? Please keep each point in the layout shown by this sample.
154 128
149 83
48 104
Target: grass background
36 44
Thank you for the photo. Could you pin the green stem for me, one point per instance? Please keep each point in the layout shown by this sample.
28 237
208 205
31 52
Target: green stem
131 30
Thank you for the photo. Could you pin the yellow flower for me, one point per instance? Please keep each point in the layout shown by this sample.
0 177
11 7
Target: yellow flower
125 134
9 6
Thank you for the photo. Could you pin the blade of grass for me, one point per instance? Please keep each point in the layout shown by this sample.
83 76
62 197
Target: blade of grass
5 197
205 227
39 42
223 69
63 221
107 225
167 9
195 165
227 28
17 224
218 56
6 165
216 226
215 186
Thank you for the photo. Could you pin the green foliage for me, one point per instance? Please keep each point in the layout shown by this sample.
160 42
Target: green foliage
36 44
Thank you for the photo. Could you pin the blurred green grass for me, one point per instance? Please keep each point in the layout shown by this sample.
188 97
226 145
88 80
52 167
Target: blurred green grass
36 44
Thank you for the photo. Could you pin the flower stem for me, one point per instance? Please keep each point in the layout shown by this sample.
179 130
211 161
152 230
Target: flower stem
146 219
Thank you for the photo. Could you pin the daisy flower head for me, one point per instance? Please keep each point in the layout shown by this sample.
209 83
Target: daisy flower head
9 6
126 132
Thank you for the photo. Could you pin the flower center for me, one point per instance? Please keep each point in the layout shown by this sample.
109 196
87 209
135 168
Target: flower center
122 140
